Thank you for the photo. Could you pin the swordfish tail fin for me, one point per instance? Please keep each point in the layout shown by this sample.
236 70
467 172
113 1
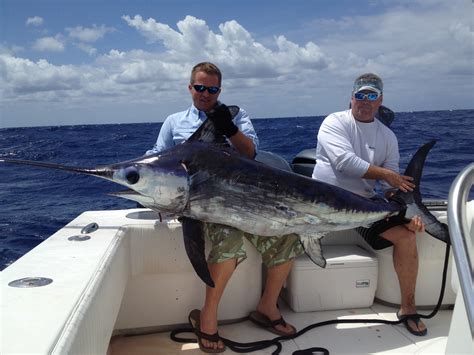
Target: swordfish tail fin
416 164
413 201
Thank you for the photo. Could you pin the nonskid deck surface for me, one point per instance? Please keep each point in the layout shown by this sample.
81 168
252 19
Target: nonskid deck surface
360 338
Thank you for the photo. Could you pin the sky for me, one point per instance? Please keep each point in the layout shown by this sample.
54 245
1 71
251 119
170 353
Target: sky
114 61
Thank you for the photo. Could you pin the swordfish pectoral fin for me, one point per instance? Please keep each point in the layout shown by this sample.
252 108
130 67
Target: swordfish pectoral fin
312 248
193 234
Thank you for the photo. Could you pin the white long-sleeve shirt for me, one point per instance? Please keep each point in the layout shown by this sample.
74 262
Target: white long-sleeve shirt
347 147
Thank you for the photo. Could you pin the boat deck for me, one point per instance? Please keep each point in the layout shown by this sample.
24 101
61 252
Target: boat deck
360 338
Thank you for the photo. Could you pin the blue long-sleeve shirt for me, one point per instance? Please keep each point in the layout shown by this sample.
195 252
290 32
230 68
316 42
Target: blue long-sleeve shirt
179 126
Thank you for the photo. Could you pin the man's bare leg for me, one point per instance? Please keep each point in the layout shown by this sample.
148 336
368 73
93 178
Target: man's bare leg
276 276
405 262
220 273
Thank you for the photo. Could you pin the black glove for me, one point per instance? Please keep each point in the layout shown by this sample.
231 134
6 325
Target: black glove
222 120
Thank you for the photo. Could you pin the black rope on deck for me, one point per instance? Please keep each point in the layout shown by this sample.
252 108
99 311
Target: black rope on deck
263 344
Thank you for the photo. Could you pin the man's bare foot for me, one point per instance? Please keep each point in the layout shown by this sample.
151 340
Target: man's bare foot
208 325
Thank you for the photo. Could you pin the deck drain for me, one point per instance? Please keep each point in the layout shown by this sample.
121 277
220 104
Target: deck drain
30 282
79 238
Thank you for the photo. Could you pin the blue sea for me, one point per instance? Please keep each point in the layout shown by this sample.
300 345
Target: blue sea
37 202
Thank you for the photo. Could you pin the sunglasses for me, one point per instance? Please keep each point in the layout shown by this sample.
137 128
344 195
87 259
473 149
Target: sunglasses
372 96
210 89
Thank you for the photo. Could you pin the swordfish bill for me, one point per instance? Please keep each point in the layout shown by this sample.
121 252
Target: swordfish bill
205 181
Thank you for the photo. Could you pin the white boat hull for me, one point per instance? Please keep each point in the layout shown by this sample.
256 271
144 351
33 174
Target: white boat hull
132 276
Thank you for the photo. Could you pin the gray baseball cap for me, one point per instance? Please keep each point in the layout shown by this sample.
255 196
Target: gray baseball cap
368 81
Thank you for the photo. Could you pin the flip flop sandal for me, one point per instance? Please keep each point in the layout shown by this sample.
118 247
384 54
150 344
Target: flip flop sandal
194 319
263 321
416 319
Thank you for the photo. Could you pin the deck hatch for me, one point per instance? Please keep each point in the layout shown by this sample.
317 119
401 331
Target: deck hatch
79 238
28 282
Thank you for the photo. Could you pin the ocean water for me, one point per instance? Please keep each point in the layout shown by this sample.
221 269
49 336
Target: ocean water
37 202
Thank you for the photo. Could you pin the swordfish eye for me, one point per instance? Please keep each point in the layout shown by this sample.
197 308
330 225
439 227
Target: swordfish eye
132 175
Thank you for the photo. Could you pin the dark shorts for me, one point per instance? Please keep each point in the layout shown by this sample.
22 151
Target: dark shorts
372 233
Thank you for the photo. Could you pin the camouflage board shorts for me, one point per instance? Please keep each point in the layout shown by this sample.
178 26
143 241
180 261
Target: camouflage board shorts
228 243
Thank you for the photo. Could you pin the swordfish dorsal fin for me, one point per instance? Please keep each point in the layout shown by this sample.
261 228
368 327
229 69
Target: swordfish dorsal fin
208 133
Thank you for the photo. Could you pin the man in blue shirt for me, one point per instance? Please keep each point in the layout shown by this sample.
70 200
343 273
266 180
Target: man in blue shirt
227 243
205 90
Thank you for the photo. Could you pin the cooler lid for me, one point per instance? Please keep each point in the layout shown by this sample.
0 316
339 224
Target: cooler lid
340 256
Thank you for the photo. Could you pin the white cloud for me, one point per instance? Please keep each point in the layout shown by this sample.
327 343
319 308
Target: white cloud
234 49
151 29
13 49
270 77
86 48
89 35
50 44
27 77
419 44
34 21
144 77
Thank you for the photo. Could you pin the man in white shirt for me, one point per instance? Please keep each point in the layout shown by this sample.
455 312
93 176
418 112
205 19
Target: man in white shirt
354 151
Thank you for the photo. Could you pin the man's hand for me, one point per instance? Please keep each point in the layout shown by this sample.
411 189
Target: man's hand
222 119
394 179
416 225
401 182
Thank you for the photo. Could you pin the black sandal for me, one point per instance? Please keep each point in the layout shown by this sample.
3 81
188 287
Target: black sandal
194 319
263 321
416 319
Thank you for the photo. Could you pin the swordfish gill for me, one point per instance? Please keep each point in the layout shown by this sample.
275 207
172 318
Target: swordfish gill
204 180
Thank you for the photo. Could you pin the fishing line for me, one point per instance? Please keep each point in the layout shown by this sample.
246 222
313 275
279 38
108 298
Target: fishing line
263 344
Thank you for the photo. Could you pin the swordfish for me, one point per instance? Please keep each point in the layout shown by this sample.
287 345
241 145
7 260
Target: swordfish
205 180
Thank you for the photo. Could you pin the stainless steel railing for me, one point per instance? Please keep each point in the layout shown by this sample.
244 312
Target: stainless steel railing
462 236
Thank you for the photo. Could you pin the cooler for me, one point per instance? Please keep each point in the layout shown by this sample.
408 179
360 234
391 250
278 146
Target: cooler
348 281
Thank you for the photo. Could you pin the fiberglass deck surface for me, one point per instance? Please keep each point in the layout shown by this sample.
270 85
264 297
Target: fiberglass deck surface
360 338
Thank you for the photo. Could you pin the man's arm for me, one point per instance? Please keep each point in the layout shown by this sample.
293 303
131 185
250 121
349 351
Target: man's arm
335 141
243 144
240 134
401 182
164 140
